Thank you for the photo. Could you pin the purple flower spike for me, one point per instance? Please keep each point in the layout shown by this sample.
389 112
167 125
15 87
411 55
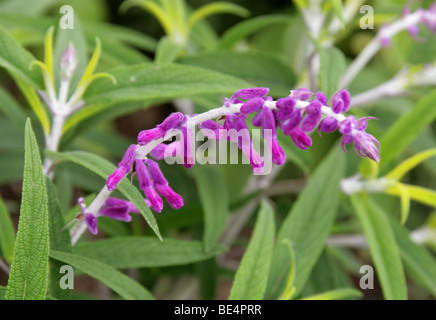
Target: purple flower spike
329 124
252 105
341 101
188 157
146 186
91 222
301 140
124 168
249 93
292 123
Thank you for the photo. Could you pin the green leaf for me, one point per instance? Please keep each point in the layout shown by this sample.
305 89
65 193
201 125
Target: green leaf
416 193
2 293
167 50
337 8
139 252
407 128
308 224
332 66
418 262
117 281
215 8
12 166
337 294
59 240
17 60
248 27
399 171
252 275
25 6
146 81
260 69
405 202
29 270
12 109
104 168
383 247
7 233
214 198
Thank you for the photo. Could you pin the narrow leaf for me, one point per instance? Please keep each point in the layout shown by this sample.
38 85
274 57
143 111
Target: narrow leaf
29 271
139 252
7 233
383 247
252 275
416 193
338 294
167 50
399 171
308 224
332 66
117 281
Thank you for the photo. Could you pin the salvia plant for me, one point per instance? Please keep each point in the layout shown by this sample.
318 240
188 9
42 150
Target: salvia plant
282 150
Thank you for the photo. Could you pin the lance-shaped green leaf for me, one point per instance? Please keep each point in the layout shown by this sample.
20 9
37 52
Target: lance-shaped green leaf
252 275
59 240
383 247
332 66
215 8
214 200
399 171
29 271
139 252
337 294
17 60
146 81
248 27
416 193
418 262
117 281
307 226
104 168
167 50
7 234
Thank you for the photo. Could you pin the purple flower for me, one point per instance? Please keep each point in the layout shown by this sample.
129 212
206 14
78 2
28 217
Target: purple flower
146 186
89 218
385 38
429 18
285 108
341 101
301 94
321 98
68 62
249 93
292 123
329 124
364 143
188 157
171 122
124 167
211 129
162 187
301 140
269 123
252 105
313 116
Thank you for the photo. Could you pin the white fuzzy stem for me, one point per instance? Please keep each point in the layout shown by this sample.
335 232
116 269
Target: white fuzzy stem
376 44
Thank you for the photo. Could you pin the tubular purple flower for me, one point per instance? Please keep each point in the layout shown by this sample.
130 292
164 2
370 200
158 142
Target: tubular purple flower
188 157
285 108
292 123
249 93
146 186
313 116
213 129
329 124
300 139
158 153
91 222
124 167
301 94
321 98
162 187
257 119
366 145
171 122
252 105
269 123
341 101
